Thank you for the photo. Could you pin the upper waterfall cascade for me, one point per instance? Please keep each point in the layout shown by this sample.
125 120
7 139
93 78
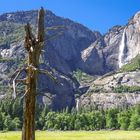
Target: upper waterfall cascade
121 50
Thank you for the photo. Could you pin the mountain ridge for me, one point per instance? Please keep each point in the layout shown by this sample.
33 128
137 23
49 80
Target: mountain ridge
77 48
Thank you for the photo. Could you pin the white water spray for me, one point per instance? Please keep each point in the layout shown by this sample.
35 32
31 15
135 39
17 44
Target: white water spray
77 104
121 50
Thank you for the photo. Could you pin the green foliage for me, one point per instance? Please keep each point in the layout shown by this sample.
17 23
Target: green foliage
90 119
4 89
41 114
2 118
135 119
132 66
78 74
124 119
111 119
2 60
11 124
124 88
82 76
95 89
21 63
135 122
11 32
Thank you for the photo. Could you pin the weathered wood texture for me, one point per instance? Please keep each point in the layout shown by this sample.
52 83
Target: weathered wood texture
33 46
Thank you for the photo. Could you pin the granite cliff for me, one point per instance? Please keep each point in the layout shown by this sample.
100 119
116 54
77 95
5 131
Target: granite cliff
76 47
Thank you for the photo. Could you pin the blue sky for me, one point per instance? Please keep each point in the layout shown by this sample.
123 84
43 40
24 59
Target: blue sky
95 14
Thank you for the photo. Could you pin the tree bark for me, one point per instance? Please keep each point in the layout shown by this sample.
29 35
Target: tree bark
30 100
33 46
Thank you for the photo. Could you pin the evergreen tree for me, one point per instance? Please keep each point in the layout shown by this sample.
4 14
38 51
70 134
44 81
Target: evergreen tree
111 119
124 119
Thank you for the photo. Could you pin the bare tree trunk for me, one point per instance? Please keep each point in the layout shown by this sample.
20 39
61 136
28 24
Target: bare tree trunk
29 106
34 47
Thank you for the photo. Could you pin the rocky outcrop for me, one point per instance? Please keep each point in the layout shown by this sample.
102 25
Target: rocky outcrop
113 90
109 100
59 94
111 51
92 59
108 83
122 43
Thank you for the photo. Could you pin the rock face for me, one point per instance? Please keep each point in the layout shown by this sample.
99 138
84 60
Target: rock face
108 83
76 48
93 59
109 100
65 49
122 43
115 90
61 54
61 94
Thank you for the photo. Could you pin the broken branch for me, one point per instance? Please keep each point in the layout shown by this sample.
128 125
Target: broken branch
14 85
24 81
40 34
49 75
25 94
18 70
29 39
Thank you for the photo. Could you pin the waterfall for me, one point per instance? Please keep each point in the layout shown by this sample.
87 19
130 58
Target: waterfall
77 104
134 97
121 50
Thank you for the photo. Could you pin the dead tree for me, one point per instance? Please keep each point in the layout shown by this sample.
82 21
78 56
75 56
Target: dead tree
33 45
